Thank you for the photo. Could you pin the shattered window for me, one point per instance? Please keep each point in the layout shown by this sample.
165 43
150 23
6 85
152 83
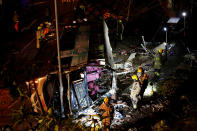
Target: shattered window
80 94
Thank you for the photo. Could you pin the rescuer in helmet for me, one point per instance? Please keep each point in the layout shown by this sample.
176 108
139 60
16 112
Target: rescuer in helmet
143 79
135 91
107 113
158 61
120 29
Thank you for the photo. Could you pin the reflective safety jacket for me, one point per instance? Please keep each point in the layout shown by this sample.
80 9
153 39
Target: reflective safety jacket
135 93
158 61
143 78
135 90
107 113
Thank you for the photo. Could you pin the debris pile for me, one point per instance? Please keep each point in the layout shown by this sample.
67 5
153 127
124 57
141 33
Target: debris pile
157 95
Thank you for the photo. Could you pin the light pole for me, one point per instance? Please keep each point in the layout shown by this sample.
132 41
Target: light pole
166 30
184 14
61 88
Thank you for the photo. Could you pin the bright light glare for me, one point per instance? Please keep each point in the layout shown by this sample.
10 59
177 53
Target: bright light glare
85 19
27 83
165 29
82 75
102 63
184 14
150 90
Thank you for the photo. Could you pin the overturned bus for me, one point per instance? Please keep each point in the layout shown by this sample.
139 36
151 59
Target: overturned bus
84 82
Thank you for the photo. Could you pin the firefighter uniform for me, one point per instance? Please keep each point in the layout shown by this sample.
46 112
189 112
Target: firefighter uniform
120 29
135 91
158 60
16 21
107 114
143 79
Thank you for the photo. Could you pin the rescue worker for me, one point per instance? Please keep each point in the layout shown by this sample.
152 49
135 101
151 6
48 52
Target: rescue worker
107 114
135 91
16 21
158 62
46 28
42 31
38 36
120 29
143 78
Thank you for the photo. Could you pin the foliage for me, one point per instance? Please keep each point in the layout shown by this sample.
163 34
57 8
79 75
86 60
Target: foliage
52 122
21 115
69 125
48 121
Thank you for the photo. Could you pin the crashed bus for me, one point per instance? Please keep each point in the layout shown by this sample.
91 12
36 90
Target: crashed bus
84 82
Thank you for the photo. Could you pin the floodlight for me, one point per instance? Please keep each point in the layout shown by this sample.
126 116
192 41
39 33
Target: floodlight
184 14
165 29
